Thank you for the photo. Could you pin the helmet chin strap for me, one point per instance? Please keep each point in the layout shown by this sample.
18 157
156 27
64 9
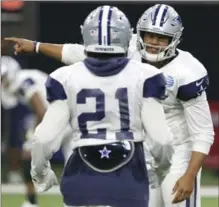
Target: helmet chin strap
154 57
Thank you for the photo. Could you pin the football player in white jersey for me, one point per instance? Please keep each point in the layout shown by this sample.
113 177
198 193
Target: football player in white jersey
110 102
26 87
159 32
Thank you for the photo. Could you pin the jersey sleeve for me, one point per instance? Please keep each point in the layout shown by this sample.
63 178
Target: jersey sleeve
200 125
72 53
157 129
155 87
48 135
55 85
192 83
192 95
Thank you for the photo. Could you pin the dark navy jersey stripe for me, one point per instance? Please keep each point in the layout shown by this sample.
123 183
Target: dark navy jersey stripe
54 90
193 89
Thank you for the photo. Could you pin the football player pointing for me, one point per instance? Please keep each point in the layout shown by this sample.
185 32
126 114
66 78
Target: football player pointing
109 101
159 32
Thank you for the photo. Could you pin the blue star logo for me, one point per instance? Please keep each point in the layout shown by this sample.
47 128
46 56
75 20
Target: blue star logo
104 152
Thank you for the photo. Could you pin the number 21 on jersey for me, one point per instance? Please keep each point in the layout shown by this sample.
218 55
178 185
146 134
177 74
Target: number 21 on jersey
122 96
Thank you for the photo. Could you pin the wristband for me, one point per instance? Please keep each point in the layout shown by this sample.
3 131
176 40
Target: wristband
36 46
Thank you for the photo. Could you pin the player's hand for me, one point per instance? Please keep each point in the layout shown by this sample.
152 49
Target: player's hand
183 188
21 45
44 182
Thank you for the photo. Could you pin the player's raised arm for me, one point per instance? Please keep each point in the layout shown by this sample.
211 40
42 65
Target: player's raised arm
27 46
152 113
66 53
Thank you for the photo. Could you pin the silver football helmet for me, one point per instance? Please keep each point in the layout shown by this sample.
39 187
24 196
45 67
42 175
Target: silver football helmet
106 30
159 19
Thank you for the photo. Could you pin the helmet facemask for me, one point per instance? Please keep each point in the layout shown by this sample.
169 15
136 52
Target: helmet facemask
160 19
164 52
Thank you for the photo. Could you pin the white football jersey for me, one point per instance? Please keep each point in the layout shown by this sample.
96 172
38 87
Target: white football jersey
186 107
187 80
184 69
25 84
107 108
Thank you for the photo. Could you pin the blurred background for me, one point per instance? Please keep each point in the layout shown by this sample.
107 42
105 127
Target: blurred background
59 22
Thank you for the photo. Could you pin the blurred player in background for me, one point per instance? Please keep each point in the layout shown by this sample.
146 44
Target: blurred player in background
26 87
109 101
159 32
19 87
17 121
12 139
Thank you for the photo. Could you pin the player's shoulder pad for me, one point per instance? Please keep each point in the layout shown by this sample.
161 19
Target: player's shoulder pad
154 82
55 84
193 80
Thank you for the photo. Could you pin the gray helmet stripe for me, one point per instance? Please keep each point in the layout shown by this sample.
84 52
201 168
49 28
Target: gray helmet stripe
155 15
100 25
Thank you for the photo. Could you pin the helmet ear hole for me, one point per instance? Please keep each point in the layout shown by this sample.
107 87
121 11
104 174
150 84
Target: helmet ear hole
142 34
